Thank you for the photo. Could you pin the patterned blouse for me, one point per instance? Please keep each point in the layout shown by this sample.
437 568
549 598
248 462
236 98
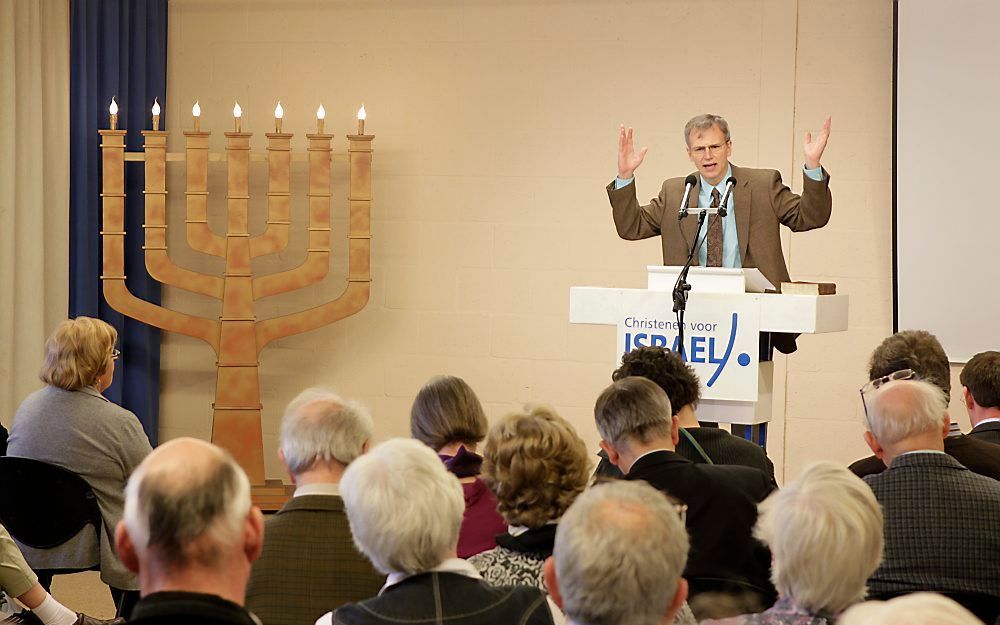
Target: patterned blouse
784 612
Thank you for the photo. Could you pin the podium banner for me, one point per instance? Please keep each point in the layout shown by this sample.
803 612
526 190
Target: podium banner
720 340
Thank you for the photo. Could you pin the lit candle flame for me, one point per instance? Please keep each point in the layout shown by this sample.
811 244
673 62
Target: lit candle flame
113 109
361 112
156 106
278 111
237 111
196 110
321 112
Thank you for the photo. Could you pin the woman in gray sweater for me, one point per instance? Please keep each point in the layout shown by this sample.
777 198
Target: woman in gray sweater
70 424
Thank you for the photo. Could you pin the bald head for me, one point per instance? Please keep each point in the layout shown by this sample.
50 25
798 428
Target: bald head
905 408
619 555
186 503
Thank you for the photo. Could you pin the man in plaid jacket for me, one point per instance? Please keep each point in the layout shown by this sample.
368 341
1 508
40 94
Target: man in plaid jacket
942 521
309 564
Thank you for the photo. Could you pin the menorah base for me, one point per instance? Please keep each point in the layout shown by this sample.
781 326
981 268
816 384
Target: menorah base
272 495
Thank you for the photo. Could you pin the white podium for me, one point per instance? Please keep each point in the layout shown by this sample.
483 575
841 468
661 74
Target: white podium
722 326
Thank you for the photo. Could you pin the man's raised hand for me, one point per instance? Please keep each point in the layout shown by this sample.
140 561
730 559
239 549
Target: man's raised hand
813 148
628 159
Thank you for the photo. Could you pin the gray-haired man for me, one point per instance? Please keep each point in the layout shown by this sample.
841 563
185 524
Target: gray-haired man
309 564
618 558
942 521
191 534
639 434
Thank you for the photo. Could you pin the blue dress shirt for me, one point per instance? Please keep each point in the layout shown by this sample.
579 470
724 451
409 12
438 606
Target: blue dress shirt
730 240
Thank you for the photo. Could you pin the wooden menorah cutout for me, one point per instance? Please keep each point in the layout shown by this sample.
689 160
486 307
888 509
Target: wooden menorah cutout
237 336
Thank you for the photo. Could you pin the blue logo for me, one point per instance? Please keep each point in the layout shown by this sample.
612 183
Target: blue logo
702 349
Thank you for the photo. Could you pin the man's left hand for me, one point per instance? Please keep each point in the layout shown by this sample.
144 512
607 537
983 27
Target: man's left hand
814 147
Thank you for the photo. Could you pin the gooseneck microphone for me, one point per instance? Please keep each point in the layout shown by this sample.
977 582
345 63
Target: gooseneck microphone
724 202
689 183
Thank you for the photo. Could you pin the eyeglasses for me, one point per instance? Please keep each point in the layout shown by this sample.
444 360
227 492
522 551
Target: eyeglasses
115 354
699 151
682 512
902 374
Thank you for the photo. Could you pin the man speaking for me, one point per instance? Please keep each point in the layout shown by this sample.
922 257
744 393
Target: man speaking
748 235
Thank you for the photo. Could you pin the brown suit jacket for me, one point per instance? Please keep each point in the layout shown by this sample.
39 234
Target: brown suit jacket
760 202
309 565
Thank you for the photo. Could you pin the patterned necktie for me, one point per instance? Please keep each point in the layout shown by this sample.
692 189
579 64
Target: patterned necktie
714 234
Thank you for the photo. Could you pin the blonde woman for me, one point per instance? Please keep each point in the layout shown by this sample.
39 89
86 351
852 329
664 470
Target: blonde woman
825 534
70 424
922 608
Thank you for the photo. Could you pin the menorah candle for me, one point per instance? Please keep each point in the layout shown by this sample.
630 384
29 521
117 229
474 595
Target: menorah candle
320 118
113 110
361 120
238 117
156 114
196 114
359 234
278 114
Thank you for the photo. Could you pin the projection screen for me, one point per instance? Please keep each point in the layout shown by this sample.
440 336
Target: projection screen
947 169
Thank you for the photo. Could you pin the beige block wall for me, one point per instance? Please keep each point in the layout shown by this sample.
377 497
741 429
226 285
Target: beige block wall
496 126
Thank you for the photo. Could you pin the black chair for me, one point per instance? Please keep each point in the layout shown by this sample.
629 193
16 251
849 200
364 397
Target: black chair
45 506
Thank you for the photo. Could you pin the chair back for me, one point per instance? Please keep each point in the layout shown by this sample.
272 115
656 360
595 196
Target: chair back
45 505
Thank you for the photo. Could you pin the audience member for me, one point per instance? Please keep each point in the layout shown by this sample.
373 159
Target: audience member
825 534
405 510
447 417
191 534
698 444
535 464
942 521
618 557
922 608
640 435
70 424
309 564
920 352
19 581
981 379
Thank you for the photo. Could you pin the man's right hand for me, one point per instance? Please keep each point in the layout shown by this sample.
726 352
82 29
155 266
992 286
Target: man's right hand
628 159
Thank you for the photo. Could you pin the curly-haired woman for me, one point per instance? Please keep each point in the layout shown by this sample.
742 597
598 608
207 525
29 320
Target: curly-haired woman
535 464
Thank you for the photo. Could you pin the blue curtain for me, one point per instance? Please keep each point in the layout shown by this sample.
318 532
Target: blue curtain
117 48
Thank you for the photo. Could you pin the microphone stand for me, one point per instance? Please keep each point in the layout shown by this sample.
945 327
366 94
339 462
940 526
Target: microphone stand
682 288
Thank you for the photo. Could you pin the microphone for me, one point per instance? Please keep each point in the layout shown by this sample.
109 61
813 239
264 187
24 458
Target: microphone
724 203
689 183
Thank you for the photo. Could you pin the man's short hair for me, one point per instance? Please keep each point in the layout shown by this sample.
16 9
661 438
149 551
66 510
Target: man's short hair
981 375
535 464
619 554
903 408
633 409
825 534
917 350
920 608
445 411
187 510
404 507
319 425
704 122
667 370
